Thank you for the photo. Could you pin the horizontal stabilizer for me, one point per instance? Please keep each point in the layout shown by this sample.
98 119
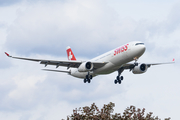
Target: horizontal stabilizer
56 70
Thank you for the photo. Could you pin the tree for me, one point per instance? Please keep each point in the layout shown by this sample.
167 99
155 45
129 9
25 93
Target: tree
93 113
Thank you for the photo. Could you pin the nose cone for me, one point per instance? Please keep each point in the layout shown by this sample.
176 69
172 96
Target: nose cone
139 50
142 48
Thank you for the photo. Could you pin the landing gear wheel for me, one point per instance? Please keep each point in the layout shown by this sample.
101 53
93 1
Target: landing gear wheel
89 80
119 81
84 80
90 76
115 81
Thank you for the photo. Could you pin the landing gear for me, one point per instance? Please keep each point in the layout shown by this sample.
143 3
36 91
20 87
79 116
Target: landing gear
115 81
88 78
119 78
135 63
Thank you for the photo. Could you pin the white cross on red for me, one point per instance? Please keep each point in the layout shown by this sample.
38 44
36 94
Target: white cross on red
70 56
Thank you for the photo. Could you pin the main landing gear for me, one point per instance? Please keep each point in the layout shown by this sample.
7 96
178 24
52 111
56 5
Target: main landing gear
119 78
88 78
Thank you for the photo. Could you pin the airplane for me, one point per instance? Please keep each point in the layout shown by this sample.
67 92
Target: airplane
117 59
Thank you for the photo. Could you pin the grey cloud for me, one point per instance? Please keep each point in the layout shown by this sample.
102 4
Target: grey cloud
173 21
24 95
68 88
38 30
95 29
5 89
168 25
11 2
2 25
8 2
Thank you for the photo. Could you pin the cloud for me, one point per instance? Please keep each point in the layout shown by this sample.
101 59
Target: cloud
44 29
86 23
8 2
32 28
31 89
173 21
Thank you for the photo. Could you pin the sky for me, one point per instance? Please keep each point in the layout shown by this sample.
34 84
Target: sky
44 28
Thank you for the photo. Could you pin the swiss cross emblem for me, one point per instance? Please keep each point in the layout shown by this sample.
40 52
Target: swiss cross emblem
70 56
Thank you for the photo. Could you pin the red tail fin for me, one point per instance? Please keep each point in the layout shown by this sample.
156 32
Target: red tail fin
70 54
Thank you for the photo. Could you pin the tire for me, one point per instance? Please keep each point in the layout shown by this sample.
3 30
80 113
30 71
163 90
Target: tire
89 80
119 81
117 77
115 81
90 76
84 80
122 77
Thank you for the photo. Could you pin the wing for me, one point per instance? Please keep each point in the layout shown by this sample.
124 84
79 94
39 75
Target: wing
132 65
57 63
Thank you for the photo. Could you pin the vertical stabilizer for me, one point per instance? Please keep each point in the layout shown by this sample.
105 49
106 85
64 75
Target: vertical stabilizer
70 54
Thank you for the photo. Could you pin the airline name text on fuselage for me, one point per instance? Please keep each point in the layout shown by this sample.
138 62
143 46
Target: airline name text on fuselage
121 49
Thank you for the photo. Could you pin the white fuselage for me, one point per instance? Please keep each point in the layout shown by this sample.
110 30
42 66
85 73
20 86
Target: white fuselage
115 58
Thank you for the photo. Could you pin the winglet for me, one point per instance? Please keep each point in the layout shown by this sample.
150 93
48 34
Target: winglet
7 54
173 60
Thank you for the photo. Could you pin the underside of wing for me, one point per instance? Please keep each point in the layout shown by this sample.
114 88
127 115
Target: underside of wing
98 64
74 64
128 66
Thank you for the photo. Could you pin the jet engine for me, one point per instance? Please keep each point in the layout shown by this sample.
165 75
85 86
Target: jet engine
140 68
85 67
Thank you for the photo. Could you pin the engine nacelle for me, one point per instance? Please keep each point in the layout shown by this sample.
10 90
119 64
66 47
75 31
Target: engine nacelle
85 67
141 68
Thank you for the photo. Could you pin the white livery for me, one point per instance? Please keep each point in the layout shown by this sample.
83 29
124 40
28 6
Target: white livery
115 60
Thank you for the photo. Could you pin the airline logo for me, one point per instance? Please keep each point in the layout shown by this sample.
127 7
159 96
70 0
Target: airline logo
70 54
121 49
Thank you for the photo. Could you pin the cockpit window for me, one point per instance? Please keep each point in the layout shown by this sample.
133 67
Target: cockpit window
139 43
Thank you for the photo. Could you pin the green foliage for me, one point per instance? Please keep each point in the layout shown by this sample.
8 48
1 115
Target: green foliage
93 113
